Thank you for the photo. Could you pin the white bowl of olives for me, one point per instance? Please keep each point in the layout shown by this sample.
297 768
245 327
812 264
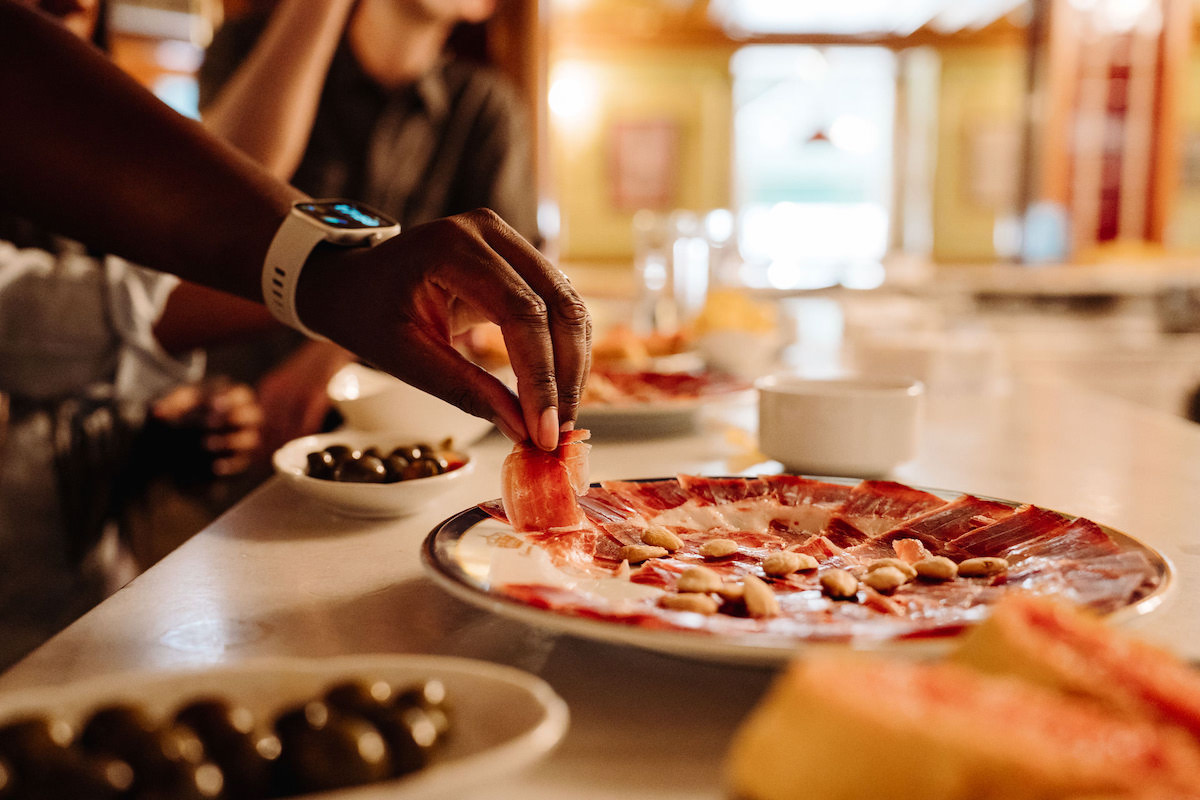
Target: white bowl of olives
369 473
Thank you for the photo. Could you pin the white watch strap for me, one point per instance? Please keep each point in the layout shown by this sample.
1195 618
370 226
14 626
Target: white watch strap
290 248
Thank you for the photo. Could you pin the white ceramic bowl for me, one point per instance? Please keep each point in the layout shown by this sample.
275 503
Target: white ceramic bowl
853 426
504 720
363 499
370 400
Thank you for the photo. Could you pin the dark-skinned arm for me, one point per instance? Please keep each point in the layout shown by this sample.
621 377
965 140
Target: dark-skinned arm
85 150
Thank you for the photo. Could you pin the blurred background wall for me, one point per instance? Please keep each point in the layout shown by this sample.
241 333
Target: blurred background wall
839 136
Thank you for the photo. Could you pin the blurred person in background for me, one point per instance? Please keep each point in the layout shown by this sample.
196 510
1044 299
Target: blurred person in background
90 390
86 151
155 187
362 99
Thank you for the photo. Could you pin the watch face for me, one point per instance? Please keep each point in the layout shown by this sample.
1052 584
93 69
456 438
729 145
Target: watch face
345 215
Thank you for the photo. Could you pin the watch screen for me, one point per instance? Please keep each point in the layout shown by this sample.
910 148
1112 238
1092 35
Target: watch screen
345 215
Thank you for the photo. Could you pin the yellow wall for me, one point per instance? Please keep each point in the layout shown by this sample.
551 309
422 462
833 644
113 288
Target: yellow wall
1183 230
690 87
981 92
981 89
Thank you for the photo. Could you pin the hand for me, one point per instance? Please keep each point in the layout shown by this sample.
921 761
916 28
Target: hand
293 396
399 304
226 417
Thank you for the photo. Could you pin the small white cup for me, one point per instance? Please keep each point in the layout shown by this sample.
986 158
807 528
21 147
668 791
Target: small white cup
853 426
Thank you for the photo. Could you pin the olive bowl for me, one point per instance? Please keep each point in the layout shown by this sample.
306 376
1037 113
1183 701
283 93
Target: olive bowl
362 499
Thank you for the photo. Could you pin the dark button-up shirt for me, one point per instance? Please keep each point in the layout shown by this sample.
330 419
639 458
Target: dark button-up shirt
455 140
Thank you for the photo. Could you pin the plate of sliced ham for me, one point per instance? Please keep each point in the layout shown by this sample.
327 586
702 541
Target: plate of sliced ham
653 400
750 569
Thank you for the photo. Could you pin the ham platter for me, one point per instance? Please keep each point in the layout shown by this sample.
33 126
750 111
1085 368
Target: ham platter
696 565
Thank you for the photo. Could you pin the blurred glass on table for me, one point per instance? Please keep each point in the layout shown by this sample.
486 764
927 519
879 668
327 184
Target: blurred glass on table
671 258
690 283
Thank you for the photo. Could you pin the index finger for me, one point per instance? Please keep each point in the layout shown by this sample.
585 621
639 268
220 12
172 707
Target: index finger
568 322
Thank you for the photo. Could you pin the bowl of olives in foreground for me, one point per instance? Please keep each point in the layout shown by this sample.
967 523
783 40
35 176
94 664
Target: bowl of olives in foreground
351 728
369 473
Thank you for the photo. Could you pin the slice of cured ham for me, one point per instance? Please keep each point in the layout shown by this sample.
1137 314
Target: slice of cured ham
843 526
540 489
881 505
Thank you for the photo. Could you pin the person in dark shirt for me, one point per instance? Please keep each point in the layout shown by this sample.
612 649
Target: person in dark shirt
422 137
362 100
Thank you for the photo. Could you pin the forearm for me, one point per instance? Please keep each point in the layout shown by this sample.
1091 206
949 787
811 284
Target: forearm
196 316
87 151
268 106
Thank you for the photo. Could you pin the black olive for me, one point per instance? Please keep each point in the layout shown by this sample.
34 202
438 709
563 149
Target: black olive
320 465
163 757
339 453
410 451
34 743
365 469
298 718
234 743
77 775
427 694
362 697
373 451
421 468
324 749
403 452
120 730
425 451
182 780
430 696
395 466
411 737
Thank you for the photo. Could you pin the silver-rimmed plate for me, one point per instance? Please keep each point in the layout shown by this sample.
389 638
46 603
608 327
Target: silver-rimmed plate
480 559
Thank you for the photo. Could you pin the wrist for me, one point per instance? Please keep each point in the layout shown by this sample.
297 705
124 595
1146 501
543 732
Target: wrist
317 296
301 244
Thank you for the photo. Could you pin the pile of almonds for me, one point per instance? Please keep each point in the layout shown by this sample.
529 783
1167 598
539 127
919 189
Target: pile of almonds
698 587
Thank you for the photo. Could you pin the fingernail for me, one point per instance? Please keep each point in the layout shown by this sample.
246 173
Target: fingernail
507 430
548 428
569 425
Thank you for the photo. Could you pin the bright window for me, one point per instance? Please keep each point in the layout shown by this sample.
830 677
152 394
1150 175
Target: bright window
813 132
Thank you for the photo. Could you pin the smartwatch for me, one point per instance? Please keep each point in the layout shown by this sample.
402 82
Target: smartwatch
308 224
